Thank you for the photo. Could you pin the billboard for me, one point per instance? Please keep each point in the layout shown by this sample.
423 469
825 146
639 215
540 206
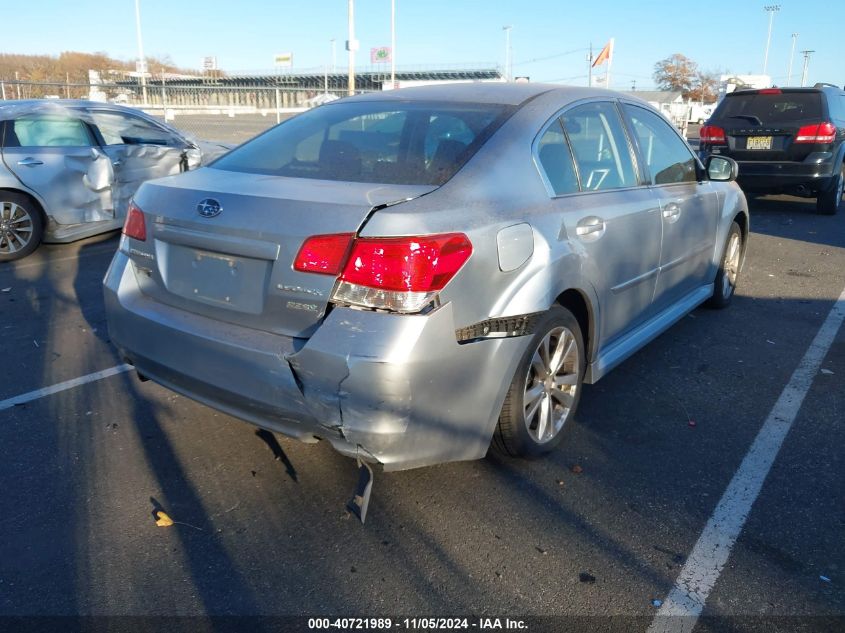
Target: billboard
283 60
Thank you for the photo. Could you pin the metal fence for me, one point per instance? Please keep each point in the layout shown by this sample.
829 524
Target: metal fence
225 113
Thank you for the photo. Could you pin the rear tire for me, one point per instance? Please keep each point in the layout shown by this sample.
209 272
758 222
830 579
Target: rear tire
544 393
21 226
828 202
728 273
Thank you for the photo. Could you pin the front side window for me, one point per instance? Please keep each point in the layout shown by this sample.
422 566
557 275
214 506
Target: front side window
600 146
556 160
118 128
371 141
668 158
47 131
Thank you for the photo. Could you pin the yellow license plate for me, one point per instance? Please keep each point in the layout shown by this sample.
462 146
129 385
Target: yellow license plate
759 142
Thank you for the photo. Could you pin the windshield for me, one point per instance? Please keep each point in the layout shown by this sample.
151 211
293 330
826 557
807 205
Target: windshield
772 108
370 141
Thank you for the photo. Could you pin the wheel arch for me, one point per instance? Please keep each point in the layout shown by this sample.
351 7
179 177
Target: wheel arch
578 303
38 204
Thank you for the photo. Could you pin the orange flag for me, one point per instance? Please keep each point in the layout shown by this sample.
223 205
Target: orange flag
606 54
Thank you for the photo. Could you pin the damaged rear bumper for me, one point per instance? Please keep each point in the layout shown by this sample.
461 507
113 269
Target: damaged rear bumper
396 389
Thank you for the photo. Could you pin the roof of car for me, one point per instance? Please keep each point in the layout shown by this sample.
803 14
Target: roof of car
481 92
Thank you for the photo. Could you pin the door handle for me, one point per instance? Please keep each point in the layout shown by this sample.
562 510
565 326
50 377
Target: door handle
117 163
672 211
591 228
29 161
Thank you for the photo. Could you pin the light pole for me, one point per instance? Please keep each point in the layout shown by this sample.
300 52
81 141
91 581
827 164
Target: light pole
334 56
143 61
771 9
791 56
507 30
392 44
351 46
806 66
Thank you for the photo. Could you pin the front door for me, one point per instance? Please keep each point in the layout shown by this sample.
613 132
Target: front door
139 150
689 207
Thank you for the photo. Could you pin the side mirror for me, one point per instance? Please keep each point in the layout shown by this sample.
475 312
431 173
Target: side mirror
721 168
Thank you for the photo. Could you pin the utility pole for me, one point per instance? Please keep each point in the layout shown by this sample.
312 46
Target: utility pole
392 44
590 67
351 46
791 56
771 9
806 66
142 59
507 30
334 56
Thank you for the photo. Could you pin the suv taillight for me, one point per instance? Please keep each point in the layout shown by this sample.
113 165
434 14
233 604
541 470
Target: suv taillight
712 134
816 133
402 274
134 226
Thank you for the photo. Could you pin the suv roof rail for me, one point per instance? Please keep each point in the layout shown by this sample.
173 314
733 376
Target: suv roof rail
824 84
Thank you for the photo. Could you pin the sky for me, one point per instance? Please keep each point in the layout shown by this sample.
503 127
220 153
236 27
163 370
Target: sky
549 39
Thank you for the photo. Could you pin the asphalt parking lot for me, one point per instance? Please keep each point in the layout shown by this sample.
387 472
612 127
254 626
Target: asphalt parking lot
602 527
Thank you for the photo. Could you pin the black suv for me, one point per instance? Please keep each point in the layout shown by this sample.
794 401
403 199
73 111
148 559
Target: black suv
786 140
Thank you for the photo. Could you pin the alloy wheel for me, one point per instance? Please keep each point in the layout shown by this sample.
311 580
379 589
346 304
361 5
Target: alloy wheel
551 385
16 227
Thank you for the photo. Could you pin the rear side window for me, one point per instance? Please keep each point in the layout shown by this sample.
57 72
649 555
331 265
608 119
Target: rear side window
371 141
600 146
47 131
785 107
556 160
667 156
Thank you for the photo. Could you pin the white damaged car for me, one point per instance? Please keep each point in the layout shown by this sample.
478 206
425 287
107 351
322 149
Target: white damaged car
68 168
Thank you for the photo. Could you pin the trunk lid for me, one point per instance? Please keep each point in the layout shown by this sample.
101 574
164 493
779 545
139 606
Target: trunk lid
236 264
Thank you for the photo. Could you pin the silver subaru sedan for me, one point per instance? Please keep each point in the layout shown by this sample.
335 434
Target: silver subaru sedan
415 275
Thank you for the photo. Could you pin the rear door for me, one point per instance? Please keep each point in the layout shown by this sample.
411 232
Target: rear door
688 206
139 150
55 155
604 210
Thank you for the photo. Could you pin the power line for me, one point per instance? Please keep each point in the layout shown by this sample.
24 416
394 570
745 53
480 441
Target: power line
543 59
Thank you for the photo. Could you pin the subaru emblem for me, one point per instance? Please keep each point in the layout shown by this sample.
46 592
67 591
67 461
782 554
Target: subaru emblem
209 207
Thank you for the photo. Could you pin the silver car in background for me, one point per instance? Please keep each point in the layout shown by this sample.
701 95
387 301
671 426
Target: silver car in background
413 274
68 168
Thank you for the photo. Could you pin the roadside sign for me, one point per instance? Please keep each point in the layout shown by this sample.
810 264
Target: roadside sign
283 60
209 63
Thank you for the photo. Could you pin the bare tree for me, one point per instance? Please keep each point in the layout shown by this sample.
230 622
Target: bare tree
706 88
677 72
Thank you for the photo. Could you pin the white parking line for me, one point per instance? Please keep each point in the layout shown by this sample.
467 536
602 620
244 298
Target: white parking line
682 607
63 386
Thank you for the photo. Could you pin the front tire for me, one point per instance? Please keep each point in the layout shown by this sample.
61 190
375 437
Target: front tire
728 273
544 394
21 226
828 202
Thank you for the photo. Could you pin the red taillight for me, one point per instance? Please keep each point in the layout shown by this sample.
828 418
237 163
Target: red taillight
134 226
410 264
816 133
770 91
323 254
401 274
712 134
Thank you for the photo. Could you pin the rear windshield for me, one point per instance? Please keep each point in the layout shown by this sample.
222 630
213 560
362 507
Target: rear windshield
369 141
772 108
